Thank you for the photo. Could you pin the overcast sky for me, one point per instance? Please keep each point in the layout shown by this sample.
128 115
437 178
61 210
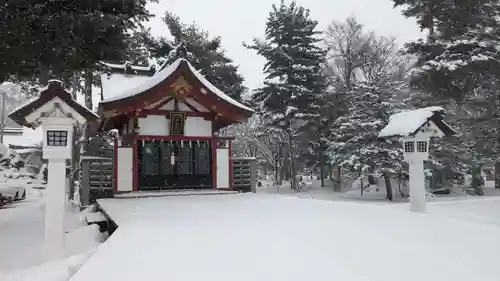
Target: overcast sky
238 21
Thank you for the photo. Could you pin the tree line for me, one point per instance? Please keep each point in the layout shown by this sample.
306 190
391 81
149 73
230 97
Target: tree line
328 93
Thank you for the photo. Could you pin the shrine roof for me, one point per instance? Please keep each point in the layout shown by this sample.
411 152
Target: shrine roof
137 85
53 90
408 123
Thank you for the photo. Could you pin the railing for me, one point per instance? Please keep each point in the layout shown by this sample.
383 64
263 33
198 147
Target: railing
244 175
97 178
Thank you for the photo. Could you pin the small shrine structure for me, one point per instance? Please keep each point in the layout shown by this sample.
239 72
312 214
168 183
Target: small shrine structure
167 119
416 128
56 112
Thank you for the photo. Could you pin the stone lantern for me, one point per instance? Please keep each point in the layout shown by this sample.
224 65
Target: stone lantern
417 128
57 113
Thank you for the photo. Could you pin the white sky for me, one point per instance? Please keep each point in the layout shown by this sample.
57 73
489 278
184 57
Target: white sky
239 21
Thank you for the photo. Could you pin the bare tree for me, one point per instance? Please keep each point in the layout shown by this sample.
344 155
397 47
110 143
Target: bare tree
254 139
347 46
383 65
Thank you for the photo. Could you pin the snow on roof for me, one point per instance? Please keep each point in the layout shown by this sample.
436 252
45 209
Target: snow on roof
215 90
114 85
125 90
29 138
125 65
138 84
407 122
45 88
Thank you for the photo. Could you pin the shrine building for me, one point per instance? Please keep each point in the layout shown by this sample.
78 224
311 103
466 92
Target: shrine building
166 120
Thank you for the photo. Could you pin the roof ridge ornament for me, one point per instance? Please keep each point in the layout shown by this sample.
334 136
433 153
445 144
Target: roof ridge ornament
55 83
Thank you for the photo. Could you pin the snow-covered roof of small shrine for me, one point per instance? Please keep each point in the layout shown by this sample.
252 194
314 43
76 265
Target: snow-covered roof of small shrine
53 90
121 86
407 123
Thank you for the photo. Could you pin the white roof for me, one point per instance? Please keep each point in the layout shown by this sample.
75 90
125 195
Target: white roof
216 91
407 122
28 138
119 86
115 85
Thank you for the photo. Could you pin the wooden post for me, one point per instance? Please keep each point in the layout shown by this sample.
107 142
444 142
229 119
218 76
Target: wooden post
85 188
253 175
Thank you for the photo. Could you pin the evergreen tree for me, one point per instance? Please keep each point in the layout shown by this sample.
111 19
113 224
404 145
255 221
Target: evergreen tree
374 95
202 51
294 82
61 38
458 66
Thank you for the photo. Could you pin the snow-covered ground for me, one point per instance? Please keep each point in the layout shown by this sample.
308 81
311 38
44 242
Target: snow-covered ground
261 237
272 237
22 242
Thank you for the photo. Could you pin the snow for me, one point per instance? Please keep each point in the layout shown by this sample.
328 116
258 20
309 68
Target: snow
273 237
215 90
407 122
96 217
123 66
22 238
124 90
28 138
114 85
58 270
138 84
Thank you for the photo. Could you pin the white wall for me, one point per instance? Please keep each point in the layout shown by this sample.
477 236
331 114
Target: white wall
169 106
124 180
197 127
223 177
154 125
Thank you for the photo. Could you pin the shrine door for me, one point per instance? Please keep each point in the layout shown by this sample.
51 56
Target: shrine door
174 165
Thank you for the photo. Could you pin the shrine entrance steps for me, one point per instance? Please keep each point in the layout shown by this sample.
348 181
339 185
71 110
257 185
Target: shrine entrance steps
165 193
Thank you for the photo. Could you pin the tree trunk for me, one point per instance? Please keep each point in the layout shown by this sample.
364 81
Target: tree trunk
361 184
293 181
476 180
322 171
338 180
497 174
276 172
89 79
44 75
388 186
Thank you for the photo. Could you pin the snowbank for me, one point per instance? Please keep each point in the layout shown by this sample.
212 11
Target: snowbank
83 239
23 230
59 270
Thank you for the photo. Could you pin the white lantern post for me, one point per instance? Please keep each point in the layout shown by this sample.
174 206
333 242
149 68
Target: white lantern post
416 151
57 113
417 127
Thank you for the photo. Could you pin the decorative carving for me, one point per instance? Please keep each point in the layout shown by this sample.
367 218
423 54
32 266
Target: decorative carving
177 121
56 112
181 87
221 144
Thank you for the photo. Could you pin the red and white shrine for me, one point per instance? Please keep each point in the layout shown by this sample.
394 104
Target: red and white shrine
167 120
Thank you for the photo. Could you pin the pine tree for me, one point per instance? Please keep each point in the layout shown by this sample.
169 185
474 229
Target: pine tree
294 82
457 66
374 94
203 52
61 38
